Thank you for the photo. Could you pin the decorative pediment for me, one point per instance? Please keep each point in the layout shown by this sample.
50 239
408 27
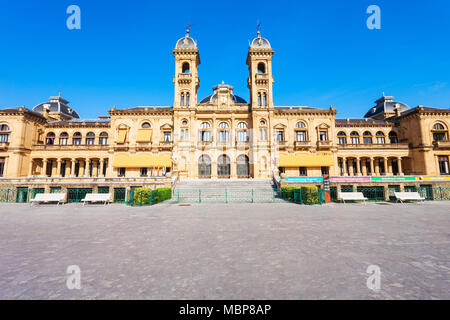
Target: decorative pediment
166 126
280 126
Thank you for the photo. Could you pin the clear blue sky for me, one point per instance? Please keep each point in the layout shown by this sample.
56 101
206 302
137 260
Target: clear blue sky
324 53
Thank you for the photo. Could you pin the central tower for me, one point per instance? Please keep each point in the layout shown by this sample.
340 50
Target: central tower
260 80
186 80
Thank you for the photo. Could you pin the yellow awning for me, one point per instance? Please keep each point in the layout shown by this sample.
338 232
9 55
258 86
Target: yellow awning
142 161
144 135
306 161
122 135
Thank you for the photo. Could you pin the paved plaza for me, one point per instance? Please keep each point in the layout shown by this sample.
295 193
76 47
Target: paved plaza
225 251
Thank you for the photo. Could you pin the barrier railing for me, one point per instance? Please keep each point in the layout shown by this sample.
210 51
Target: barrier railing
226 195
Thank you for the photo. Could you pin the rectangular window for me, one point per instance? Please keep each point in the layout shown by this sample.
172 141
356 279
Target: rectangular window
280 136
325 171
354 140
303 172
103 140
443 165
281 169
144 172
167 136
439 136
242 136
205 136
381 140
4 137
323 136
342 140
121 172
301 136
263 134
367 140
76 141
63 141
89 141
184 135
224 136
2 166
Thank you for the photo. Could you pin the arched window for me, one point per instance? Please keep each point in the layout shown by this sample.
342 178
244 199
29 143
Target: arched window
182 99
367 136
185 68
4 133
264 99
76 140
90 138
380 138
205 125
184 122
146 125
261 67
242 166
300 125
439 132
64 139
224 134
223 125
188 96
50 140
103 138
342 137
204 166
205 133
354 137
242 135
259 99
223 166
393 138
242 125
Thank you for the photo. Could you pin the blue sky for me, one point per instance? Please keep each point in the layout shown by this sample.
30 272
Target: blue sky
324 53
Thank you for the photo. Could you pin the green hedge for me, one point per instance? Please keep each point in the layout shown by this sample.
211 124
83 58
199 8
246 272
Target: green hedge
147 196
307 194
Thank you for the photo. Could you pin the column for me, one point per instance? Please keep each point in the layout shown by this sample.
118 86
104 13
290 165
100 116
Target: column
54 167
58 168
30 170
44 167
95 166
364 167
84 172
102 166
390 167
376 167
400 170
109 168
385 161
358 167
351 167
344 164
72 167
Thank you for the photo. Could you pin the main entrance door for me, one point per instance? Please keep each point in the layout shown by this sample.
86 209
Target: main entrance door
204 167
243 168
223 167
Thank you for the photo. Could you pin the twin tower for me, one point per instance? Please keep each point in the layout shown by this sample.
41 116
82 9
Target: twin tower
187 82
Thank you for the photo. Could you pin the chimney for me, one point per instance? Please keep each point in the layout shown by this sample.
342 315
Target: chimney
45 110
397 110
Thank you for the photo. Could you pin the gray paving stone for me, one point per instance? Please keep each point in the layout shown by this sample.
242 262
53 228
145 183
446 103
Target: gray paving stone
225 251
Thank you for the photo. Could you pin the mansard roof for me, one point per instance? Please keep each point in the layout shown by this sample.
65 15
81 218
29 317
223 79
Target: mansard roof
57 105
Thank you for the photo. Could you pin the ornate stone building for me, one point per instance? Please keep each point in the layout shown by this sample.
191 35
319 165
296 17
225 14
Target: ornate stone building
220 136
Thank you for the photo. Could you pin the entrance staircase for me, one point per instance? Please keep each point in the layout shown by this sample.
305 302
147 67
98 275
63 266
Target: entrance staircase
225 191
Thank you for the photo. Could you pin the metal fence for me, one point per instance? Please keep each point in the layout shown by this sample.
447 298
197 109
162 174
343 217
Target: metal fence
308 196
147 197
226 195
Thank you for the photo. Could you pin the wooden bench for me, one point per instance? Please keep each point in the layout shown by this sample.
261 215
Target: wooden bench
353 196
408 196
97 197
48 197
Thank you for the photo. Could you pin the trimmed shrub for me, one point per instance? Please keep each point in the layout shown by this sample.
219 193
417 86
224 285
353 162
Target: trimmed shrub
287 193
147 196
310 194
163 194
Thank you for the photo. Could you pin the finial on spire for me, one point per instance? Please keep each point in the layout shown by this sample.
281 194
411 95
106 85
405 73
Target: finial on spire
257 28
187 29
60 94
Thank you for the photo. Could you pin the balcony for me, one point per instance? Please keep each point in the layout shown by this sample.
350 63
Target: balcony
184 77
4 145
69 147
302 144
262 76
377 146
165 144
442 144
324 144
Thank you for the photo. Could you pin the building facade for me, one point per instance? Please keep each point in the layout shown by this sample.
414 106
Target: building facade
220 136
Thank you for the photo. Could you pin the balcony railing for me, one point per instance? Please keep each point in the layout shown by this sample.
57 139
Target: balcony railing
262 76
56 147
442 144
302 144
324 143
374 146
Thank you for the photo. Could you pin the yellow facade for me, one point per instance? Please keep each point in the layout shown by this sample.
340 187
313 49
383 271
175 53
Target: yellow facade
220 136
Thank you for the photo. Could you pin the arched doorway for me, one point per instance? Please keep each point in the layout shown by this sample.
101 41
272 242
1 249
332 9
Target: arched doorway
204 166
242 166
223 166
